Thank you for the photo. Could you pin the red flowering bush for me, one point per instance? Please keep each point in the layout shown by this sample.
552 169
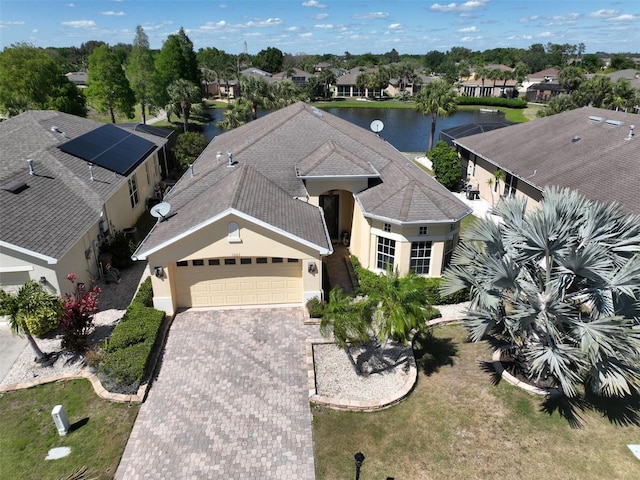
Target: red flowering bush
77 317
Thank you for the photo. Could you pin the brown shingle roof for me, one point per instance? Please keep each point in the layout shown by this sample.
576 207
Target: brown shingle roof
316 142
570 150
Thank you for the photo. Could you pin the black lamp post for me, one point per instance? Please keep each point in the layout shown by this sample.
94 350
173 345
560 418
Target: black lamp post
359 458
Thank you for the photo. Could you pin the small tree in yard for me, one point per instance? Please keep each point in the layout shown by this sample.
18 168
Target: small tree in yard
188 147
561 285
393 310
446 165
31 311
80 307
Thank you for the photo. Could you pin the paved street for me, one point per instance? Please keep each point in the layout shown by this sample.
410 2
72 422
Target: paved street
230 400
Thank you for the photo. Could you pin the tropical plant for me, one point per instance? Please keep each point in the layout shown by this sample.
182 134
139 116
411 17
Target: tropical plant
256 92
570 78
188 147
437 99
183 96
346 319
559 103
80 307
31 311
561 284
238 113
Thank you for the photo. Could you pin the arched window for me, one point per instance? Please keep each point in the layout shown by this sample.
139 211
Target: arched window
234 232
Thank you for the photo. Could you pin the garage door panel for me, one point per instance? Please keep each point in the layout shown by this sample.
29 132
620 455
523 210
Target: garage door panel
238 285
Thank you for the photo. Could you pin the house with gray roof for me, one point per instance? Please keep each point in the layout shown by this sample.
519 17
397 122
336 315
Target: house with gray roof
591 150
66 185
254 220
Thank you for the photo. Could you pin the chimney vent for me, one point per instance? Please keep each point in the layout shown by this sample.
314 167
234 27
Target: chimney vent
230 157
31 170
91 172
630 135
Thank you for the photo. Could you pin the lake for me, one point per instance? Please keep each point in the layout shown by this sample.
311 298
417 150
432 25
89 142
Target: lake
405 129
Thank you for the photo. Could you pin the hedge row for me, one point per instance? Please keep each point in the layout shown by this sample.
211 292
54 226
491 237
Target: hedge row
493 101
126 355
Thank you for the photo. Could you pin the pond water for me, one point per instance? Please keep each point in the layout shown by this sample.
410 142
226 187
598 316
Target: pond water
405 129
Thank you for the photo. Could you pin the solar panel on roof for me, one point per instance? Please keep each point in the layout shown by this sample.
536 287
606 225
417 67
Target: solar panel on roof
110 147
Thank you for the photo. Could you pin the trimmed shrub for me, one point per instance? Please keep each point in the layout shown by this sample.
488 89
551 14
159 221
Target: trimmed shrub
145 293
315 307
125 360
432 286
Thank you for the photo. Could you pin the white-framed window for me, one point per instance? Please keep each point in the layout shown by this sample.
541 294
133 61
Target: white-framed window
234 232
386 253
420 257
510 185
423 231
133 191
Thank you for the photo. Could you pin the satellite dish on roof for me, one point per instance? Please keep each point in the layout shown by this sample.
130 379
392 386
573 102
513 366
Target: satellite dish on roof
160 210
377 126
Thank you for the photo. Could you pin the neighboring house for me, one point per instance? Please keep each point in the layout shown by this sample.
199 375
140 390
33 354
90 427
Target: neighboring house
346 84
478 86
591 150
265 203
543 92
298 77
543 76
78 78
66 184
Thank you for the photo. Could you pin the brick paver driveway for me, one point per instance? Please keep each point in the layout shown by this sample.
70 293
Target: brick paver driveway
230 400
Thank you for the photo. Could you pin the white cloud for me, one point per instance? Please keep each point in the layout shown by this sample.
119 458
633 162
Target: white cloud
292 29
320 16
470 39
624 18
604 13
157 26
223 5
519 37
314 4
532 18
5 24
269 22
468 30
306 35
80 24
371 16
395 26
326 26
111 13
214 25
460 7
545 35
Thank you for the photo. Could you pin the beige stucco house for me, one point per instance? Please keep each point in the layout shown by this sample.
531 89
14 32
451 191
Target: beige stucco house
264 205
66 184
591 150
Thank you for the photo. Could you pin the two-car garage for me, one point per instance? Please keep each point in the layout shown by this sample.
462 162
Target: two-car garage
238 281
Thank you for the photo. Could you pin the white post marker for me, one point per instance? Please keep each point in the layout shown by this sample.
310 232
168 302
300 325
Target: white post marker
60 419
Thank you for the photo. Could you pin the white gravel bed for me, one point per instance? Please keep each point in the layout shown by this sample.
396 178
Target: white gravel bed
336 375
113 302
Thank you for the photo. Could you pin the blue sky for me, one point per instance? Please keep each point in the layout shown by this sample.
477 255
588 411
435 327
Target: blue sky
328 26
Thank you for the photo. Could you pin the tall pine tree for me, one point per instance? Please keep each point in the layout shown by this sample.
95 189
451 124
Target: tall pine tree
140 69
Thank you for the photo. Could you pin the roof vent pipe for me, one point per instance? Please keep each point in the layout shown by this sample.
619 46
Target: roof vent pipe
630 136
31 170
218 156
191 170
91 172
230 157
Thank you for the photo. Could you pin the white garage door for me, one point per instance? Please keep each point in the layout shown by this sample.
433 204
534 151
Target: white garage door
238 281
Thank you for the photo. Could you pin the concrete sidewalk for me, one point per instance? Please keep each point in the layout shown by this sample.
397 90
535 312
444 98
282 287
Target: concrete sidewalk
11 346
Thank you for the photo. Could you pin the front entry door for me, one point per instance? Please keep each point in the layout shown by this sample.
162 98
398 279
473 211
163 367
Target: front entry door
329 204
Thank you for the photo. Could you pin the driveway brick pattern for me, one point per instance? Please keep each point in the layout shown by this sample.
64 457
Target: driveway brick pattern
230 400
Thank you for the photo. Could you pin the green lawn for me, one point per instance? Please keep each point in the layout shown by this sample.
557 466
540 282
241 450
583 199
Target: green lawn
28 432
457 425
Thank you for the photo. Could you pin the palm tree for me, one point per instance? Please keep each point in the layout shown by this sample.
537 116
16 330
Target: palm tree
236 114
622 95
31 311
346 319
284 93
570 78
256 91
328 78
437 99
183 94
560 285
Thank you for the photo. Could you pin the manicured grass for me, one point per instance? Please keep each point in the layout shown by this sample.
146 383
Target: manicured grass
457 425
353 103
28 432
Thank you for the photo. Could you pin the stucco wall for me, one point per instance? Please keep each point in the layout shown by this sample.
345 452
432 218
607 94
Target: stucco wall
213 241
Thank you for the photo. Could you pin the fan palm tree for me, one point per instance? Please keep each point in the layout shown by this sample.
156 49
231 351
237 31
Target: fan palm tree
31 311
183 95
437 99
256 91
236 114
561 284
